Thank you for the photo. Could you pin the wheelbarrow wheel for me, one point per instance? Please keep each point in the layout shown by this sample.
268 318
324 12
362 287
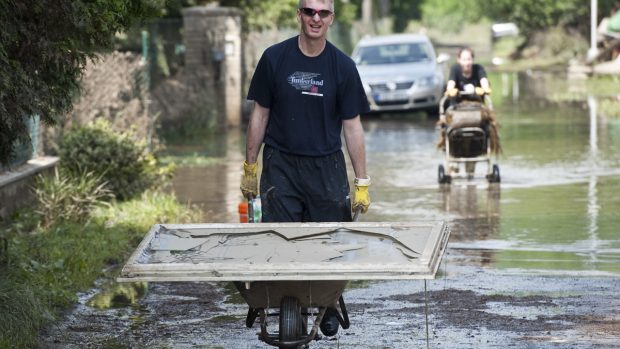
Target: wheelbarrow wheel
290 319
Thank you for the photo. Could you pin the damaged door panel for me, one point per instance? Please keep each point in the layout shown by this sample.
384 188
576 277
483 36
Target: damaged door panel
288 251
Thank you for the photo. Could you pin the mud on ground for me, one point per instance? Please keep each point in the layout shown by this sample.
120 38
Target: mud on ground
468 307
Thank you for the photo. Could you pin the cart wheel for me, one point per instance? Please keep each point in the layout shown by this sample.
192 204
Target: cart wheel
441 175
290 319
494 176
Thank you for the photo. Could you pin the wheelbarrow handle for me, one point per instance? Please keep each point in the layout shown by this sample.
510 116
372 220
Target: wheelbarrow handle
356 214
250 208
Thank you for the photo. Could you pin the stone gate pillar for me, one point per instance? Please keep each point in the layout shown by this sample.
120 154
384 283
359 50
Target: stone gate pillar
213 52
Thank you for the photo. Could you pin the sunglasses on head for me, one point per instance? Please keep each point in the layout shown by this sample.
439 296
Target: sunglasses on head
310 12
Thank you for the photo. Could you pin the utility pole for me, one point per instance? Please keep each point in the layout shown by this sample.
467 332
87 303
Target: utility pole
367 13
593 51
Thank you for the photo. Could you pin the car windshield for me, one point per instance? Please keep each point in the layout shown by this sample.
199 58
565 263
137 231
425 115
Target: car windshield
393 53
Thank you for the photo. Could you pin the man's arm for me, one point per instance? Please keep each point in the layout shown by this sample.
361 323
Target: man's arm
256 132
354 137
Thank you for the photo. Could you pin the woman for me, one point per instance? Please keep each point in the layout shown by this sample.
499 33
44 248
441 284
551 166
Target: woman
466 76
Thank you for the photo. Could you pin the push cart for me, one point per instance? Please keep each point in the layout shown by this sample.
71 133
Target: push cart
295 271
467 139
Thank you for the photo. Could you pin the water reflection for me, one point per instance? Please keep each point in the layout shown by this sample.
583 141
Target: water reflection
476 209
593 208
119 295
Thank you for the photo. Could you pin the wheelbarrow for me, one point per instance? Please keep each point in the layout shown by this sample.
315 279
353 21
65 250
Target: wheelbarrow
295 271
297 301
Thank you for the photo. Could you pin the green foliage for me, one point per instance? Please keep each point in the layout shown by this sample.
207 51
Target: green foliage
346 13
152 207
65 198
115 157
404 11
532 15
47 266
44 46
173 8
451 15
260 14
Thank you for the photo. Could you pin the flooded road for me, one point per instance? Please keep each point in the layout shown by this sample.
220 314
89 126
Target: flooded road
532 262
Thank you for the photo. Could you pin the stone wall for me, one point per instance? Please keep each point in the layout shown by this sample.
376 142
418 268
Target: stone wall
16 185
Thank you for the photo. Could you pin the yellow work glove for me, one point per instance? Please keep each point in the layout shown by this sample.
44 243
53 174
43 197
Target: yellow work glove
362 198
249 183
487 91
452 92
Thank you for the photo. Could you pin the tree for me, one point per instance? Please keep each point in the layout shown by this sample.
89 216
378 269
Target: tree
532 16
44 46
451 15
405 11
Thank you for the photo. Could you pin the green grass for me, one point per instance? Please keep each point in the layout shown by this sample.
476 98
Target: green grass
44 268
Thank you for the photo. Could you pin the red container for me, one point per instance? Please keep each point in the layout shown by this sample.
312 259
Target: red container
243 212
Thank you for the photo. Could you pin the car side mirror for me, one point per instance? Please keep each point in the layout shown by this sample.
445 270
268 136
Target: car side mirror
442 58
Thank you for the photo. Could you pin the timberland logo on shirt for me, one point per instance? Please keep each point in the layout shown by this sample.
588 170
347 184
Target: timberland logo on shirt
307 83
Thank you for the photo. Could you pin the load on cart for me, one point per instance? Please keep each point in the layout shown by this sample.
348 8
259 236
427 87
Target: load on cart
469 133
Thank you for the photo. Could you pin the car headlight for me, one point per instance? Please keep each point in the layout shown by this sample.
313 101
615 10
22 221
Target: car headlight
429 81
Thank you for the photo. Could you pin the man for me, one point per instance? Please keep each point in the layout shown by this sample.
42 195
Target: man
305 93
467 76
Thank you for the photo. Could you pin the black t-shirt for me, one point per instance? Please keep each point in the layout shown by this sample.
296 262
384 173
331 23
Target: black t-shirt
308 97
477 73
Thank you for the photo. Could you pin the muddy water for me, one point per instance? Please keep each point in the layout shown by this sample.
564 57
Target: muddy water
532 262
557 207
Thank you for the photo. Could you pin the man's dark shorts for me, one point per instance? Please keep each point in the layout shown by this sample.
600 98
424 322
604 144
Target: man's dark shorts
304 188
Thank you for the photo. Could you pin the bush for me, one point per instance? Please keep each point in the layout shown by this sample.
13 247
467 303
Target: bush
116 157
62 198
152 207
46 266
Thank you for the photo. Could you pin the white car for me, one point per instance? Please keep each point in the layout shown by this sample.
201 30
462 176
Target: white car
400 72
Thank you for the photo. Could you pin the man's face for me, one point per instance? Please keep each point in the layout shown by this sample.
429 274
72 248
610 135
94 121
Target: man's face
465 61
314 19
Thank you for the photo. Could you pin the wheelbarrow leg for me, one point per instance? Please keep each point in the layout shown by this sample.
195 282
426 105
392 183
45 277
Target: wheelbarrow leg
251 318
344 318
